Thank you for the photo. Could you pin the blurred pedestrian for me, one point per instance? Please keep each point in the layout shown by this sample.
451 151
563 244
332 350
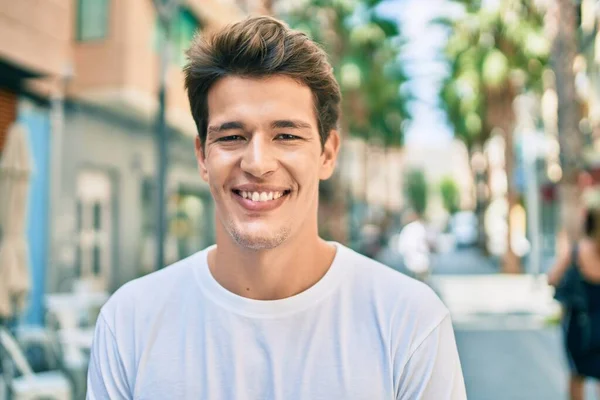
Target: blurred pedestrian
272 311
576 276
415 247
370 240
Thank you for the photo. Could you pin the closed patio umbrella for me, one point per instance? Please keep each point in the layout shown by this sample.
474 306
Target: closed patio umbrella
15 170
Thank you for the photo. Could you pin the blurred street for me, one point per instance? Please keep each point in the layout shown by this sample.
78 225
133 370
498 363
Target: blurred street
467 261
507 352
512 364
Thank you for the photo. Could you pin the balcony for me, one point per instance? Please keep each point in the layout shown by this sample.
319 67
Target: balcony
35 35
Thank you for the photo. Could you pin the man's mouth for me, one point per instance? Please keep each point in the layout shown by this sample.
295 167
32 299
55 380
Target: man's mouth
260 197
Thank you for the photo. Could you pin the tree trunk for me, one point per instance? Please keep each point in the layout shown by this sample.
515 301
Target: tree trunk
480 179
264 7
387 179
511 263
500 114
563 54
366 176
334 213
388 223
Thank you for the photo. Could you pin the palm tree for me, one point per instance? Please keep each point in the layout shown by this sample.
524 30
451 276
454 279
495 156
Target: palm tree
464 110
264 7
495 55
564 49
378 108
450 195
364 48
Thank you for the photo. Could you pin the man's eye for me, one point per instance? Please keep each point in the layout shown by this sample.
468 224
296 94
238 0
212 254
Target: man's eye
231 138
287 136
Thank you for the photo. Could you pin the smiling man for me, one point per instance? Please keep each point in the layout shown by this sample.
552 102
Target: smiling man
271 311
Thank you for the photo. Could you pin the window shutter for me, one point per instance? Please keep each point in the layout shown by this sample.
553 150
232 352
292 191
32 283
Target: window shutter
92 19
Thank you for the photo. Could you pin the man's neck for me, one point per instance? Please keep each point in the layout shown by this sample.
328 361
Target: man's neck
273 274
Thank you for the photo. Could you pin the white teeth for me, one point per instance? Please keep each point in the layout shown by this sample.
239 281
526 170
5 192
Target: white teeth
261 196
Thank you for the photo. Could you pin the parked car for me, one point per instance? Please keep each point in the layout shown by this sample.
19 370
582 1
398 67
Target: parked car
464 228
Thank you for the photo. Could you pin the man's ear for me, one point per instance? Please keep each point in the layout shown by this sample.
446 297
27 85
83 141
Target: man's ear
199 150
329 155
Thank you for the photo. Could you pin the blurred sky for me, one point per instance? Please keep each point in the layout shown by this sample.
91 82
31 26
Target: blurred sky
425 65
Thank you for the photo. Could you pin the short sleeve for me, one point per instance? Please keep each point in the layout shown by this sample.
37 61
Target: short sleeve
107 377
433 371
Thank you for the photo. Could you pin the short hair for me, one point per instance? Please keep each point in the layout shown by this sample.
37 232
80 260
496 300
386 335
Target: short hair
260 47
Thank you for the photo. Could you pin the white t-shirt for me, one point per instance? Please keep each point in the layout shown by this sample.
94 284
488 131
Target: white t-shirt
364 331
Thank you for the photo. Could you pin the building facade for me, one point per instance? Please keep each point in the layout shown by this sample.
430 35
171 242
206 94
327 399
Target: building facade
83 76
35 44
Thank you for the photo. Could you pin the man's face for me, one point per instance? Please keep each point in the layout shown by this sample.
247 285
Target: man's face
263 158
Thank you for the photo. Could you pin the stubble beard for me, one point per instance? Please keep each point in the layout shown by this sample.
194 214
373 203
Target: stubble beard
255 242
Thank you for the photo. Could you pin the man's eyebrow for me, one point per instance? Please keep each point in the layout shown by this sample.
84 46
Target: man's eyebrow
290 124
226 126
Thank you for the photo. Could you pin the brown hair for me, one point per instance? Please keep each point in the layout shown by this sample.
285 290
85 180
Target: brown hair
261 47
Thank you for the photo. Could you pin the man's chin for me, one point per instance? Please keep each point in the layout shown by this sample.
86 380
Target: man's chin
254 241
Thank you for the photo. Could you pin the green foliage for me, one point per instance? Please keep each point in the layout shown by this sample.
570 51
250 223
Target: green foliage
450 195
415 190
364 49
489 48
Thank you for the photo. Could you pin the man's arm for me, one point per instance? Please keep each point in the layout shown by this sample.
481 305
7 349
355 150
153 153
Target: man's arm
433 371
107 378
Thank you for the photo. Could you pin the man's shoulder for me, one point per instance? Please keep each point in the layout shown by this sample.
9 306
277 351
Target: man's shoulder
394 290
373 272
151 291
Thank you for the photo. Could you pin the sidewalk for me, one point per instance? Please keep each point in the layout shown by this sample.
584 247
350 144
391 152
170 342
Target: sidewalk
497 301
507 347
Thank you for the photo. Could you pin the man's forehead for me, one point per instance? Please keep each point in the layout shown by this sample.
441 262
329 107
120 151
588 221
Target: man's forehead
279 89
269 99
273 81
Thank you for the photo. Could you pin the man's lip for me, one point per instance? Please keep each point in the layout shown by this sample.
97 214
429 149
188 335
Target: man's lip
258 206
260 188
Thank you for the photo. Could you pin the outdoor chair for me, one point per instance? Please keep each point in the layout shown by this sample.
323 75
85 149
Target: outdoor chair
27 384
40 347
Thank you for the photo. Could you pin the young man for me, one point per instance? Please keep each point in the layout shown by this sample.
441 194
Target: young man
271 311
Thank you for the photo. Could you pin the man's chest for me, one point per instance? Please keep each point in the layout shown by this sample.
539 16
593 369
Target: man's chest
250 360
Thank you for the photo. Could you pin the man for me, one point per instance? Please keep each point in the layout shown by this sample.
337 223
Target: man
271 311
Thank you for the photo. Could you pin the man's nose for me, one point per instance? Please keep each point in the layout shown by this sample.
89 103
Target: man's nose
259 159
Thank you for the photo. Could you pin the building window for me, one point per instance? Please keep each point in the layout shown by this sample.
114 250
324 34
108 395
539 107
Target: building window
183 33
185 25
94 226
92 19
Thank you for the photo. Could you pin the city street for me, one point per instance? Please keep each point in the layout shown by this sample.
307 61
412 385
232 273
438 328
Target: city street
507 349
512 364
466 261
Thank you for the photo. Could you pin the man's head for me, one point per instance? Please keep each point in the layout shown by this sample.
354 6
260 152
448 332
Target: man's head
256 48
266 105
